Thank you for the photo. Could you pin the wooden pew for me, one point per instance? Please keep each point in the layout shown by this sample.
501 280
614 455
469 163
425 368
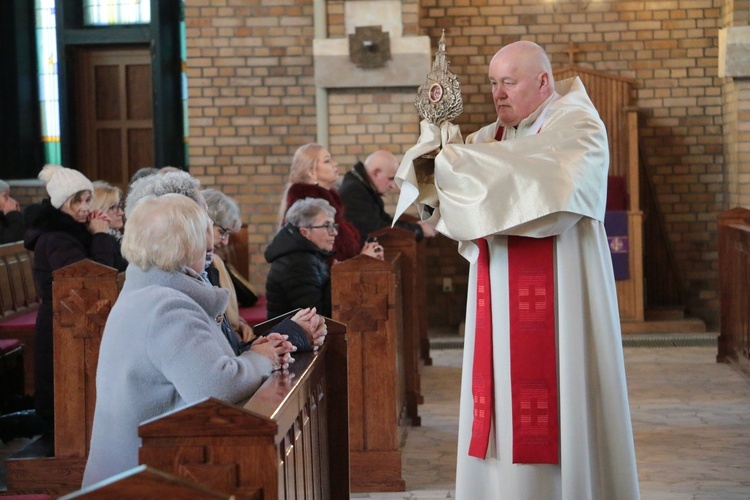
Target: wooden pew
83 295
146 483
414 302
288 441
18 303
734 287
366 295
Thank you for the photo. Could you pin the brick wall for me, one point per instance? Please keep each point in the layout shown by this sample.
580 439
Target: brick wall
252 102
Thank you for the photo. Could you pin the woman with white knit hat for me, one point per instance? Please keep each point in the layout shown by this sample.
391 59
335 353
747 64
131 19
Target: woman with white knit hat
65 231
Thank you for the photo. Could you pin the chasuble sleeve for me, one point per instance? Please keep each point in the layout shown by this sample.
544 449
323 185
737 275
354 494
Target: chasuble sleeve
507 187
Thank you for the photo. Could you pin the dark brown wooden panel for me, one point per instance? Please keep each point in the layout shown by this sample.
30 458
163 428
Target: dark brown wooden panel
138 88
107 89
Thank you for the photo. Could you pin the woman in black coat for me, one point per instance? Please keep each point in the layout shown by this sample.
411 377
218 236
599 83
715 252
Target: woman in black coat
65 231
299 274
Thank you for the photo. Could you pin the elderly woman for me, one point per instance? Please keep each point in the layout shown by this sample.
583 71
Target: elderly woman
225 213
107 199
162 346
314 174
299 275
65 231
305 330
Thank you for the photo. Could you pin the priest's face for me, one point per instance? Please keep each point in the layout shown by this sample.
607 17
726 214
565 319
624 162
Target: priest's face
519 84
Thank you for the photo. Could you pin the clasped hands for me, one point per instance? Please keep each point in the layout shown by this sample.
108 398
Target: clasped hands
313 324
277 348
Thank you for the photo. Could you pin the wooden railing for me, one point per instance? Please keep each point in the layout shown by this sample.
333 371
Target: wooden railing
734 287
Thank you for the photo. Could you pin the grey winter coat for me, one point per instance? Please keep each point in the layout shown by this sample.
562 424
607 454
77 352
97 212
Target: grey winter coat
162 349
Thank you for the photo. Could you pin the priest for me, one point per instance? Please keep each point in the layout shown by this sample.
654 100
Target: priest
544 410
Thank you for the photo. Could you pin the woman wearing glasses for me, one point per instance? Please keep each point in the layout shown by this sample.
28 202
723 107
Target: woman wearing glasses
225 213
107 200
299 274
314 174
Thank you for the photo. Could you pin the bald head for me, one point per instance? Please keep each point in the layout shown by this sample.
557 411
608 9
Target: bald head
381 167
521 78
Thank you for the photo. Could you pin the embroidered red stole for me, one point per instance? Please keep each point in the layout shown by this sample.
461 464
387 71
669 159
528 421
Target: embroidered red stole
533 355
482 376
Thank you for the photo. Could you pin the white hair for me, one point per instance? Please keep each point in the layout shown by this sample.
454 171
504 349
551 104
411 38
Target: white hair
166 232
161 184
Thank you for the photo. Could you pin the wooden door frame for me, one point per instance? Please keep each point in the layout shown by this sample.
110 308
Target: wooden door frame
87 151
166 64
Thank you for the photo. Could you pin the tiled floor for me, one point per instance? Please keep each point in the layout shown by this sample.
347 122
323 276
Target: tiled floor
691 421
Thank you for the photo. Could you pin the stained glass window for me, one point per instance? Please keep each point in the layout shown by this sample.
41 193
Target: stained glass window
46 44
111 12
184 80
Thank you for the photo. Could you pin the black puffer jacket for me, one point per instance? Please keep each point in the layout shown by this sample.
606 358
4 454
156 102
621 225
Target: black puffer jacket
299 275
57 240
11 227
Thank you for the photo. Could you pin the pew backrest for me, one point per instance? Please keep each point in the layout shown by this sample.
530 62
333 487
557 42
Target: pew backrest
18 304
147 483
17 291
83 294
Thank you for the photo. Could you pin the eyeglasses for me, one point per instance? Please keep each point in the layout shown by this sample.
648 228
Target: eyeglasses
119 206
223 232
331 227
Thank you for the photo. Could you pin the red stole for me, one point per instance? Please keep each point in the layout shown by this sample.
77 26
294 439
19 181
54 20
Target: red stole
533 355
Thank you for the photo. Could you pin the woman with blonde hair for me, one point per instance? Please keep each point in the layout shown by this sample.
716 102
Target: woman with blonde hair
314 174
107 199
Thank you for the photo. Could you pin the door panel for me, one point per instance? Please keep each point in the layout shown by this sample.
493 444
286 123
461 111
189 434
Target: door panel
114 112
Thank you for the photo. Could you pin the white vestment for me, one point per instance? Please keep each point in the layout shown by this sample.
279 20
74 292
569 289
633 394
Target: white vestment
548 182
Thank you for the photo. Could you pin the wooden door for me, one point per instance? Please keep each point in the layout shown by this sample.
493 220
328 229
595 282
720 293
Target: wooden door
114 112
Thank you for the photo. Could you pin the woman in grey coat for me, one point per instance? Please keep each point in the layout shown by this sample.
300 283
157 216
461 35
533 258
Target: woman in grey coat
162 346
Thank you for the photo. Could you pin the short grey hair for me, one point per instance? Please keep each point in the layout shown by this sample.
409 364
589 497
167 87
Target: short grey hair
222 209
167 232
4 186
303 212
161 184
143 172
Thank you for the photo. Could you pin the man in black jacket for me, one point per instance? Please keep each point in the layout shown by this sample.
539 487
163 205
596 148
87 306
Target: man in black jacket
362 193
11 217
